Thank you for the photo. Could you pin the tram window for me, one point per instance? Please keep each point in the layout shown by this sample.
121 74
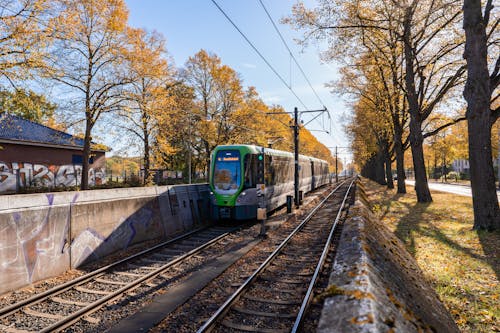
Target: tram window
227 172
282 170
250 171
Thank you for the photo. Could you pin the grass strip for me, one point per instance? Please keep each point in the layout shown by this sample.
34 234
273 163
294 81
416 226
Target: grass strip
463 265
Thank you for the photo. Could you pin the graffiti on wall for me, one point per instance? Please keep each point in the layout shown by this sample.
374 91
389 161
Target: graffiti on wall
17 175
90 244
33 245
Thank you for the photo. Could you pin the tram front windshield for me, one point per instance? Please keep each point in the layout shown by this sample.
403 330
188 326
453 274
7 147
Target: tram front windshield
227 172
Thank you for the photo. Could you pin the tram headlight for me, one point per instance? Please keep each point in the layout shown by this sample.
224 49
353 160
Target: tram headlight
241 197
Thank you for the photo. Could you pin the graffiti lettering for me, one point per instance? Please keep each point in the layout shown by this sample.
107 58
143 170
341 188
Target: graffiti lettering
18 175
7 178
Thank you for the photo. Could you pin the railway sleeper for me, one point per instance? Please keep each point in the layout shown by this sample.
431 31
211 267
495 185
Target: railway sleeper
192 243
153 261
297 270
184 247
279 290
92 320
167 257
297 259
93 291
173 252
8 329
151 284
293 265
282 280
263 314
248 328
300 252
105 281
129 274
272 301
69 302
313 229
142 267
38 314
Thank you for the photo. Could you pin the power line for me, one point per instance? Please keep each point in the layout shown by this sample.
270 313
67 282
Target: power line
290 52
258 52
296 61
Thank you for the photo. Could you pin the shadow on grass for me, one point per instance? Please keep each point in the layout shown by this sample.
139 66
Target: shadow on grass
412 224
386 208
490 244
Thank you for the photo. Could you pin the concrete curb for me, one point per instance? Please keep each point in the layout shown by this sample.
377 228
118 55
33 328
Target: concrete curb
375 284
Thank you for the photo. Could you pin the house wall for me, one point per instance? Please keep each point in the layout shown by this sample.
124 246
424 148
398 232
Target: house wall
25 166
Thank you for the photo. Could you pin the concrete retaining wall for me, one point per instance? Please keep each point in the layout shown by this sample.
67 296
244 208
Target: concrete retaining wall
376 285
43 235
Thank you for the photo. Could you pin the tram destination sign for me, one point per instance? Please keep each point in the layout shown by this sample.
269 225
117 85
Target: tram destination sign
229 156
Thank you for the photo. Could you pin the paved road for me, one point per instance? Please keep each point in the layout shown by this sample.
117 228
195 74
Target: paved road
450 188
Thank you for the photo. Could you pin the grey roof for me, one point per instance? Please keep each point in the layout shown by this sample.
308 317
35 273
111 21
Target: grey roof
15 128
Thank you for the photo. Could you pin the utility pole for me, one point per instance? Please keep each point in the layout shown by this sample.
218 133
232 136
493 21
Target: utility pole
295 126
189 149
296 147
336 166
336 161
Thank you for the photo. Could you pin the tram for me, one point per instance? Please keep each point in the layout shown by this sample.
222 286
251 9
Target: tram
237 170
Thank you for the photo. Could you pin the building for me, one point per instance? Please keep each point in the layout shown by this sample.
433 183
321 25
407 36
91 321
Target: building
460 166
34 155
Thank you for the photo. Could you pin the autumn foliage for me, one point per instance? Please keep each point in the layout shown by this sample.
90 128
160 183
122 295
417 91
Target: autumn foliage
120 80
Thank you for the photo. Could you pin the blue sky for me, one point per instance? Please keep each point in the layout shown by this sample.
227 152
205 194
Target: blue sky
191 25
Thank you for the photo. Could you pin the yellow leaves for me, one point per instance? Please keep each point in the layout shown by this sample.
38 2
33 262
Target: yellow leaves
144 51
90 18
118 15
22 37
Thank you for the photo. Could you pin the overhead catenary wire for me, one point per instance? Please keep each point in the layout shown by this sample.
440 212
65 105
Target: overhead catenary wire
290 52
259 53
292 56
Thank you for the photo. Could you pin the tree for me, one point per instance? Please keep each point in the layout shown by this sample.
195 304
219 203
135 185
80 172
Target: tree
177 131
443 148
87 59
371 131
422 31
24 34
481 94
27 104
374 121
430 71
218 94
148 98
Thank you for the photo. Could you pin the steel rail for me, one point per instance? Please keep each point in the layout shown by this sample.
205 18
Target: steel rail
210 323
307 299
75 316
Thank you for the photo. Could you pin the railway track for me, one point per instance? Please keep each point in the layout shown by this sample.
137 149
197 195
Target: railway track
62 306
276 296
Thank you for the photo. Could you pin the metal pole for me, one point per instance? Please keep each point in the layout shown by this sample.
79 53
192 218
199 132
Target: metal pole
189 147
296 144
336 166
